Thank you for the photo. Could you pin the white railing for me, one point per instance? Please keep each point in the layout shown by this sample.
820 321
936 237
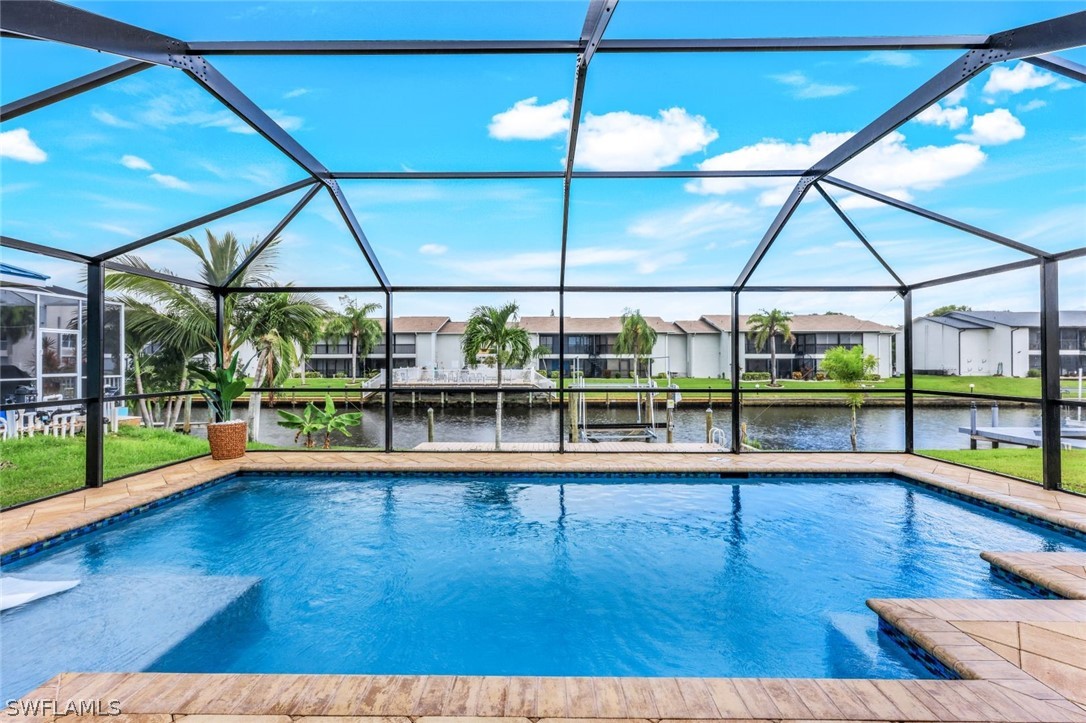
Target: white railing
20 423
479 376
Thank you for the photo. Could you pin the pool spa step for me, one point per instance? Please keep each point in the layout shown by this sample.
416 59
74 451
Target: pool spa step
95 626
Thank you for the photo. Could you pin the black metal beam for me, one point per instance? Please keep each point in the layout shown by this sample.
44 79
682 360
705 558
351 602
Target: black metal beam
272 235
152 274
907 354
774 230
596 19
1050 374
70 25
631 45
1071 254
82 84
309 289
94 336
858 234
1063 66
187 225
736 399
563 400
251 114
979 273
347 213
383 47
10 242
877 288
1037 39
1041 38
937 217
530 175
390 343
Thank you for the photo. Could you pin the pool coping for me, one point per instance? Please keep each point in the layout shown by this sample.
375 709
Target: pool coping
22 527
990 689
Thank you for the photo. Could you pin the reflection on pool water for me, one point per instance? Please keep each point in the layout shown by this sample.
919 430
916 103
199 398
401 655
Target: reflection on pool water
539 575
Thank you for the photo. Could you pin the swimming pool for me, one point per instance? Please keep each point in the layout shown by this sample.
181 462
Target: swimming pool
510 575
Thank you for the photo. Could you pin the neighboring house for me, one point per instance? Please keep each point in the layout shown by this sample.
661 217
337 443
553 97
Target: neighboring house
813 335
984 343
691 348
41 339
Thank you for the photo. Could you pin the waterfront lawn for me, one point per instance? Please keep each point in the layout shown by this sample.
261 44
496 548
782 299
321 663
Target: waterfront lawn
1024 463
36 467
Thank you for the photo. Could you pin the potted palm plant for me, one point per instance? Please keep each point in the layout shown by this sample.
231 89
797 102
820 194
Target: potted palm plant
226 436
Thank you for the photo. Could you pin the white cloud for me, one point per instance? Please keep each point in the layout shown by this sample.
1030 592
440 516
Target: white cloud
805 88
1032 105
890 166
1015 79
956 96
937 115
135 163
171 181
893 58
285 121
17 145
714 218
114 228
995 128
626 141
433 249
104 116
529 121
296 93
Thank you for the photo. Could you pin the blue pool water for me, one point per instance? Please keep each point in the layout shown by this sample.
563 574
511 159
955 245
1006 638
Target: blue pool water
510 575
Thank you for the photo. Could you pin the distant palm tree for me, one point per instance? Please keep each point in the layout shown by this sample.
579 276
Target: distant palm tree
494 330
637 339
849 367
766 326
274 327
355 322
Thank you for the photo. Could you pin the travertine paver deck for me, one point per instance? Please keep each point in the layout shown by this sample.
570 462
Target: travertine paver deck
1014 644
1064 573
423 698
1035 675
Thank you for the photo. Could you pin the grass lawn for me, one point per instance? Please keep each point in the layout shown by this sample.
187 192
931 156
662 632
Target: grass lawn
1024 463
37 467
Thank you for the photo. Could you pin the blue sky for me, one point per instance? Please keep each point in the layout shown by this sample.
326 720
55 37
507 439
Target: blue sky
1007 152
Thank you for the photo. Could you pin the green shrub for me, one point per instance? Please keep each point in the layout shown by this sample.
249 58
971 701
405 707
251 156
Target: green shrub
1034 373
341 375
756 376
872 377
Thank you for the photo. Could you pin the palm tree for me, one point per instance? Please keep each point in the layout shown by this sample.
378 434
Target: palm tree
182 319
273 326
494 331
355 322
849 367
636 338
767 326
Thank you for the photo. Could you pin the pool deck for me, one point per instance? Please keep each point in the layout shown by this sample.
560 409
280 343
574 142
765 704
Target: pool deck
1020 660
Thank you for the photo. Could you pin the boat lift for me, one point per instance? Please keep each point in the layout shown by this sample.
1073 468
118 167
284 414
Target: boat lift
645 427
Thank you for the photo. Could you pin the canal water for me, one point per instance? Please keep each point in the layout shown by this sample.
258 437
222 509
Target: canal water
773 427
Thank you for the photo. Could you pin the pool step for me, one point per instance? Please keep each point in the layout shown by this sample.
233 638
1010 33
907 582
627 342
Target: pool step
100 625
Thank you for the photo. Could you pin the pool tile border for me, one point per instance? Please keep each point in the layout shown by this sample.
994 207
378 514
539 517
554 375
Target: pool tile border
47 543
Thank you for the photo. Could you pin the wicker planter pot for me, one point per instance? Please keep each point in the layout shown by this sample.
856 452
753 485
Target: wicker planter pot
228 439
